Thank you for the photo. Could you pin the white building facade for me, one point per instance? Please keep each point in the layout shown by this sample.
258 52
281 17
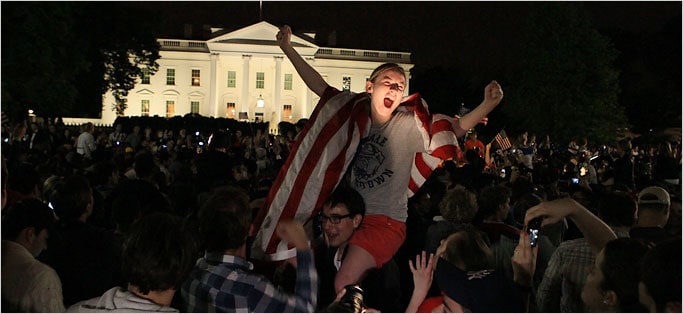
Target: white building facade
245 76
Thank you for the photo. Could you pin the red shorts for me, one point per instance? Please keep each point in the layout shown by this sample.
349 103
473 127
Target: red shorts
381 236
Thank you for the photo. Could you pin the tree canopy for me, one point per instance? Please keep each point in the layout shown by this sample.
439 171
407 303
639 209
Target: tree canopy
59 58
566 85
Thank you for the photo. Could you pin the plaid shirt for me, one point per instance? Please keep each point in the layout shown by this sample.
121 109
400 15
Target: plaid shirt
226 283
563 280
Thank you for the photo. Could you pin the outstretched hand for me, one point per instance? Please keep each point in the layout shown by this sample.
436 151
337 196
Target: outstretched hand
493 93
284 36
423 272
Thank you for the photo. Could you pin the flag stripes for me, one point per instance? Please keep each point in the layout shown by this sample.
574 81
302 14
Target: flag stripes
502 140
322 154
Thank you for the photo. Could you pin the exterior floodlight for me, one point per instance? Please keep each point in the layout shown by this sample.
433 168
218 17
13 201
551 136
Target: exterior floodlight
259 102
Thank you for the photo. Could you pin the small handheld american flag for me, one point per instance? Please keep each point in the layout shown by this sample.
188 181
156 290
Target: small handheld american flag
502 140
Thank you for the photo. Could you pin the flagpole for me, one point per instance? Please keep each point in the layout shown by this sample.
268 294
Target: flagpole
260 11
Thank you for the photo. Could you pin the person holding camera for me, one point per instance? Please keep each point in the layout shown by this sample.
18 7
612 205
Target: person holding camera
612 282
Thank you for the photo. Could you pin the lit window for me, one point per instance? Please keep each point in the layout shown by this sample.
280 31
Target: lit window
194 106
288 81
195 77
145 76
232 78
346 83
170 76
287 113
170 108
260 80
230 110
145 108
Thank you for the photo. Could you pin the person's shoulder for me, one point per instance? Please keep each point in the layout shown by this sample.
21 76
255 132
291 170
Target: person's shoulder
43 272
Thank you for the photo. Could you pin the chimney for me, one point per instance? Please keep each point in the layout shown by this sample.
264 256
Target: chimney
332 39
188 31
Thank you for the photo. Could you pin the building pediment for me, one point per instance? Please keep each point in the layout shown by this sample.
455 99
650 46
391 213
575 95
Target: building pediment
145 91
259 37
170 92
196 94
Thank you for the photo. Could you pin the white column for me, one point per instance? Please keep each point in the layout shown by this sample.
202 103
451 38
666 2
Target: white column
244 98
308 105
213 90
277 91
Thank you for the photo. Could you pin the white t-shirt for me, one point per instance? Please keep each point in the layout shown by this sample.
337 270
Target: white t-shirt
383 163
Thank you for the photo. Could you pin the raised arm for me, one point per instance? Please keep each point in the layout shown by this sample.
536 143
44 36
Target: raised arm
493 94
594 230
311 77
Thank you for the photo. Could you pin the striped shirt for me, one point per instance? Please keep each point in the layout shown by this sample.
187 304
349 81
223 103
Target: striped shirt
226 283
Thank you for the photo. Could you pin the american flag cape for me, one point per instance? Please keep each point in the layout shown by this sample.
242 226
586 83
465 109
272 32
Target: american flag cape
322 153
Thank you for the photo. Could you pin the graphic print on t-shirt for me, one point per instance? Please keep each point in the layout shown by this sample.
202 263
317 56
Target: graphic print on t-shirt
367 168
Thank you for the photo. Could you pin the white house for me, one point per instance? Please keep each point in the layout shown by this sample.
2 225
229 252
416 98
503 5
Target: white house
244 75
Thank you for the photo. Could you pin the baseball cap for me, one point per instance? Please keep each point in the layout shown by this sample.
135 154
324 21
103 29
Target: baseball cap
654 195
479 291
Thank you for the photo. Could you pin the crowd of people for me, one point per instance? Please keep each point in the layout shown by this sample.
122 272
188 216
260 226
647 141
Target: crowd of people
146 217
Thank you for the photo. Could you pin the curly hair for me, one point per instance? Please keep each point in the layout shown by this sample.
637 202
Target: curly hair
459 205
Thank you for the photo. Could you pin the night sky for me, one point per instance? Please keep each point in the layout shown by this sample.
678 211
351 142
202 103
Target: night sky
437 33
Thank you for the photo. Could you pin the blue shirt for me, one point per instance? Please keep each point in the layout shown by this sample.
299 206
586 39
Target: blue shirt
226 283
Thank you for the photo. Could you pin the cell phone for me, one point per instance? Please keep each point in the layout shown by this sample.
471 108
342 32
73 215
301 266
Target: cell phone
575 180
532 229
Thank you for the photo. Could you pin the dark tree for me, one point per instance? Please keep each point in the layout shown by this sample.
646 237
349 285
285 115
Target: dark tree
59 58
565 84
651 76
39 60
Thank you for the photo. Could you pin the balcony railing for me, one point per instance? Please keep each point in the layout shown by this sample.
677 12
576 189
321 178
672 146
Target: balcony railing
361 54
182 45
323 53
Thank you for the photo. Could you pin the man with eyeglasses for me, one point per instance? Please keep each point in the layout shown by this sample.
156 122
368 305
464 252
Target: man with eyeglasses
340 217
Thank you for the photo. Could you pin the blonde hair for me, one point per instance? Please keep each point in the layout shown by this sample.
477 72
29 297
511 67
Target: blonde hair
386 67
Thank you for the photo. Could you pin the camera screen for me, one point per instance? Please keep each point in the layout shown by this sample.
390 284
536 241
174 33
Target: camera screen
533 237
533 229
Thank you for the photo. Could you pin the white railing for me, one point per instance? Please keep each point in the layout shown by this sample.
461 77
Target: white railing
183 45
361 54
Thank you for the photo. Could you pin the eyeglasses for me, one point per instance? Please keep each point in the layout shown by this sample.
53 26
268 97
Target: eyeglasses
334 219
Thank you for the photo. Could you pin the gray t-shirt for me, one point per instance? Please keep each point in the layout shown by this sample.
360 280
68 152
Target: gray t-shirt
382 166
